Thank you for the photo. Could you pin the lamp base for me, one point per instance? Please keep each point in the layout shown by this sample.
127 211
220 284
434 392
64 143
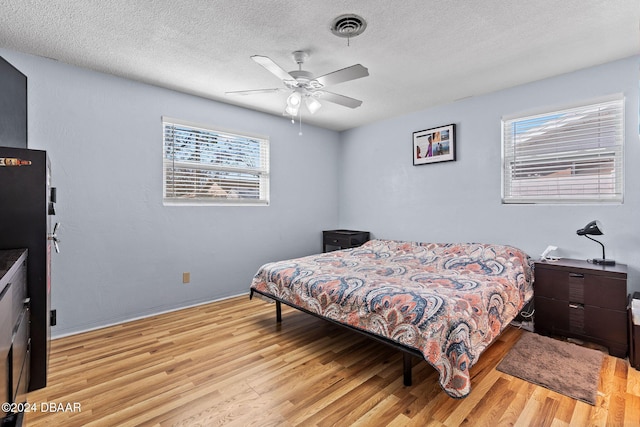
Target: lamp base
601 261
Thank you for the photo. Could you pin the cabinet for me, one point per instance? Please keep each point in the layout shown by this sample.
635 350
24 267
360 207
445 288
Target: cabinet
15 344
28 204
577 299
343 239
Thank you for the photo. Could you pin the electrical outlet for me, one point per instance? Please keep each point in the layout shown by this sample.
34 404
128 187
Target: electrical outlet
186 277
53 318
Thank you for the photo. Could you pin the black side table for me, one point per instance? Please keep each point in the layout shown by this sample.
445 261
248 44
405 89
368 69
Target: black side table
342 239
577 299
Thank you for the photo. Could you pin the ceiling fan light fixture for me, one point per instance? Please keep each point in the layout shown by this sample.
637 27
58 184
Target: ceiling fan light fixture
312 104
294 99
292 110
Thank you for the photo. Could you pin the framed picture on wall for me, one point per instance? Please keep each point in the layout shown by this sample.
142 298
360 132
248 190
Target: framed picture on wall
434 145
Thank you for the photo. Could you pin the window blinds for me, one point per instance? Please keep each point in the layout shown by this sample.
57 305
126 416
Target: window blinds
208 166
568 156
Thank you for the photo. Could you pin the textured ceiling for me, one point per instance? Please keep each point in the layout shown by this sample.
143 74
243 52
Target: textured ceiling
419 53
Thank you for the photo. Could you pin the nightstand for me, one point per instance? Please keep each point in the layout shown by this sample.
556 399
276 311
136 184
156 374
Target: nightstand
577 299
342 239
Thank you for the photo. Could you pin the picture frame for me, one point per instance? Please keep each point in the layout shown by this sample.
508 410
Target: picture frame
434 145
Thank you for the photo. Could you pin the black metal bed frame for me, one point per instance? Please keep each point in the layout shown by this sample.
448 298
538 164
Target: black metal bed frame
407 352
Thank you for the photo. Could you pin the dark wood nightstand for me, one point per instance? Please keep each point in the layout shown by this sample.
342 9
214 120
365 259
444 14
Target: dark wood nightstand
342 239
577 299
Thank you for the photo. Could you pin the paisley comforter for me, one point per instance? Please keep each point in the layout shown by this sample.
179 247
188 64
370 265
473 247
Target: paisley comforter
449 301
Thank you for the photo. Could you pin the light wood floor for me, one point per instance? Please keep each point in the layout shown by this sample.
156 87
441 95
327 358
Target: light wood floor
229 363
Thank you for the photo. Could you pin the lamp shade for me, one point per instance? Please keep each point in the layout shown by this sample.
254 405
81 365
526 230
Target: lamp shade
292 110
294 99
594 228
312 104
293 104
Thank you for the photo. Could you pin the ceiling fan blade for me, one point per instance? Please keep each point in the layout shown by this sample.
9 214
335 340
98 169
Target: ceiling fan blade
339 99
272 67
350 73
253 92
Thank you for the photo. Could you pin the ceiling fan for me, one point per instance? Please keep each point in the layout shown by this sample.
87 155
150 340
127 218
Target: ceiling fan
305 87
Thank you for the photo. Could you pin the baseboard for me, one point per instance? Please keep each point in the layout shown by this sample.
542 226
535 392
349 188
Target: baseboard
142 316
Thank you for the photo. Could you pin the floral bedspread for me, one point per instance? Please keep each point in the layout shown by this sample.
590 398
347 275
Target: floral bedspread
449 301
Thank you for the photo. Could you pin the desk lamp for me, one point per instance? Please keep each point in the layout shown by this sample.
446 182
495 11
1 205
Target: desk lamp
594 228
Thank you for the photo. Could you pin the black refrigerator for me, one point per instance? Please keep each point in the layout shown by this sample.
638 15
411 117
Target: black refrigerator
27 204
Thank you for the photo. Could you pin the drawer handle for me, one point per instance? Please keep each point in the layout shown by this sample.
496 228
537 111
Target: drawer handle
581 276
575 306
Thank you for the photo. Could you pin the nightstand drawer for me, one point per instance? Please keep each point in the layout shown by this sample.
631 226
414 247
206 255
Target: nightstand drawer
591 323
343 239
551 283
337 239
605 324
605 292
552 316
580 287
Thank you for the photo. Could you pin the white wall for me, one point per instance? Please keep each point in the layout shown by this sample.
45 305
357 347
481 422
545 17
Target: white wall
122 252
381 191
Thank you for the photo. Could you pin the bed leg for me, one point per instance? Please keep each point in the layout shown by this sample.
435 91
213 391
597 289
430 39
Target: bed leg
406 367
278 311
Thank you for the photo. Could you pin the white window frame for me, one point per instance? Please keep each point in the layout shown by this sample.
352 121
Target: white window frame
242 164
571 155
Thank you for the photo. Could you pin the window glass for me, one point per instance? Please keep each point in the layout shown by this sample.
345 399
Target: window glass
208 166
567 156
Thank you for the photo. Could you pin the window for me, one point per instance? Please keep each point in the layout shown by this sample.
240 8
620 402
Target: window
567 156
213 167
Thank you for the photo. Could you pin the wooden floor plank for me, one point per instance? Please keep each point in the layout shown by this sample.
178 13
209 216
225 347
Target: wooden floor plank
230 363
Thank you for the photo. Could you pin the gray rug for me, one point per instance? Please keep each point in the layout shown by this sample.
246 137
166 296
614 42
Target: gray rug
560 366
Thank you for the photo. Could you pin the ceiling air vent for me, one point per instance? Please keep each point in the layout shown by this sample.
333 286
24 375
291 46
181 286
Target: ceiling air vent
348 26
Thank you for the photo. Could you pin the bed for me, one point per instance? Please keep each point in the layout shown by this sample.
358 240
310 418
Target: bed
442 302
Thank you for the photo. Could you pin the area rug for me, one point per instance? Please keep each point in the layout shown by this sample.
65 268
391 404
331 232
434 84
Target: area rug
560 366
